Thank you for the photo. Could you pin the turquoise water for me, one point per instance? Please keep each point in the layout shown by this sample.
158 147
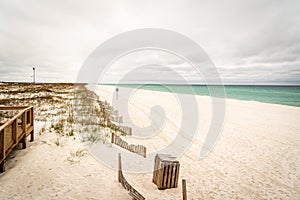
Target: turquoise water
284 95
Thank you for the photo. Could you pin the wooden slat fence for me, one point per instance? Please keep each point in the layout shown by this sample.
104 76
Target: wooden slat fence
14 131
139 149
116 118
109 117
132 192
125 129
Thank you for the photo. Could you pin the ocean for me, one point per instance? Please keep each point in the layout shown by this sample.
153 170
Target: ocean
283 95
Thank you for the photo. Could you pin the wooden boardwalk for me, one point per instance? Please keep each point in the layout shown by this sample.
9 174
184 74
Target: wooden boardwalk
14 131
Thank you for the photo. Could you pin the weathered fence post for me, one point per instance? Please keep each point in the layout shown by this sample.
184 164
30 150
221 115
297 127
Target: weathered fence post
119 169
112 137
24 142
184 196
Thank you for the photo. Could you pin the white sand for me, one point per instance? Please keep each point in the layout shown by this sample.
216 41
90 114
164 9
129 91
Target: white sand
256 157
47 171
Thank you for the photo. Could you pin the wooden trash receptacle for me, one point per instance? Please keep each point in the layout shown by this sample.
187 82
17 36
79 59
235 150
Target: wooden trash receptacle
166 171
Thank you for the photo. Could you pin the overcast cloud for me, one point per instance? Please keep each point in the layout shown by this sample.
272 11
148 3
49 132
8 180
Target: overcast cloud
249 41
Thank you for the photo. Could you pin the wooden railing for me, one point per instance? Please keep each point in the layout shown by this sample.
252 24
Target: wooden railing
15 131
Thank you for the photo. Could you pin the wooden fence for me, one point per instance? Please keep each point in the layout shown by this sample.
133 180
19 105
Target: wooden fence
125 129
109 117
14 131
139 149
132 192
116 118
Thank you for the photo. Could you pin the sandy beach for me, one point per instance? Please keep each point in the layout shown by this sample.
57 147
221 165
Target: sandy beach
256 156
155 100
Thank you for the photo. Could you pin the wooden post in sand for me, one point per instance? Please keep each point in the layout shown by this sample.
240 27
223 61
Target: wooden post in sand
184 196
24 142
145 152
112 137
3 166
120 169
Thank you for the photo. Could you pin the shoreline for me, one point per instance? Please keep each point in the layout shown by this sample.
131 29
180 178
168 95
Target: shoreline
225 94
226 99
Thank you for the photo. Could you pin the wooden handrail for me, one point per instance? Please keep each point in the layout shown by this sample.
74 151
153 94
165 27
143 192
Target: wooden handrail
12 107
15 136
15 117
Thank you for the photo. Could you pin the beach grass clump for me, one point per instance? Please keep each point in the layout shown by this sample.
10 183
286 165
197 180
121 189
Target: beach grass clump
76 156
59 127
93 138
42 130
71 132
57 142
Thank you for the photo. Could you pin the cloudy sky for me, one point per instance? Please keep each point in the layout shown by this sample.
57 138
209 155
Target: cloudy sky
249 41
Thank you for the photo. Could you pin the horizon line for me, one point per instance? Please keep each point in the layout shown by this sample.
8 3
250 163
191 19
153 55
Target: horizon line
179 84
